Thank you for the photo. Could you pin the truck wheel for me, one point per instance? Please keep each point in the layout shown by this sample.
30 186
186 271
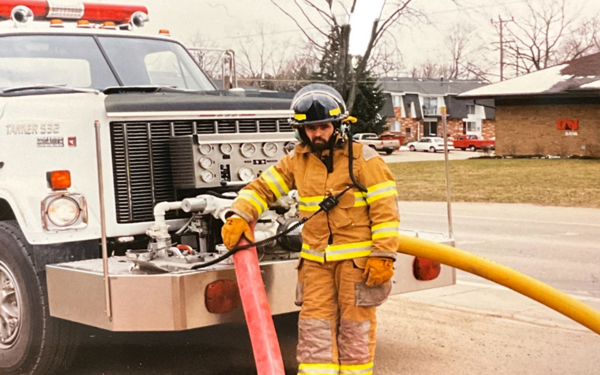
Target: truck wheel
462 148
389 152
472 148
31 342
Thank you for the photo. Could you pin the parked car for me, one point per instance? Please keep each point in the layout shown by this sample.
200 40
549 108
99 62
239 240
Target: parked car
472 142
372 140
431 144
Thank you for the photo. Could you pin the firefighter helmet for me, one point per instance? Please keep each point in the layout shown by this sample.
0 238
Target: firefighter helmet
317 103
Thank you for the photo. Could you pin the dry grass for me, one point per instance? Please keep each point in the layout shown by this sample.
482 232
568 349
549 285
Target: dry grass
571 183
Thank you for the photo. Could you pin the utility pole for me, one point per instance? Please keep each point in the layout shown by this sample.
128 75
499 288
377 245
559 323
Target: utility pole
501 23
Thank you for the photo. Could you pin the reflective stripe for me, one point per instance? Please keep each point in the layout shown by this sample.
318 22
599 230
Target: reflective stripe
359 199
300 116
318 368
310 204
337 252
251 196
388 229
275 182
307 253
366 369
382 190
348 250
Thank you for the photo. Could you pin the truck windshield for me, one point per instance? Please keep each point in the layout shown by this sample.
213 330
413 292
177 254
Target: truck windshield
77 61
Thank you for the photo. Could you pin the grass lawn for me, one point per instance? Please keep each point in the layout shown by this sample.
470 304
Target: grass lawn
548 182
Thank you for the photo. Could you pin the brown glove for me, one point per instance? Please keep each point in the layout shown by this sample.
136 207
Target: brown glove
234 228
378 271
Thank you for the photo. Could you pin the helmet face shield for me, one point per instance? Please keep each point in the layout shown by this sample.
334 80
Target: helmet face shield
315 104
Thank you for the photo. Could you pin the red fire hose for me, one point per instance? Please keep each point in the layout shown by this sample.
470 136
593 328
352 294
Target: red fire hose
265 344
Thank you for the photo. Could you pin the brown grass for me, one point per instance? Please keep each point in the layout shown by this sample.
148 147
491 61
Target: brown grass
571 183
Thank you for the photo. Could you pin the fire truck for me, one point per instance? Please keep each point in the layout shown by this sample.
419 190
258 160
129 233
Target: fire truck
118 160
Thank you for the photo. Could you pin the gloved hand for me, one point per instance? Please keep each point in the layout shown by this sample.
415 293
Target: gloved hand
234 228
378 270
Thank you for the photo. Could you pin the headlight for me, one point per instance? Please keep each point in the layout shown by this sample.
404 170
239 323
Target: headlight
63 211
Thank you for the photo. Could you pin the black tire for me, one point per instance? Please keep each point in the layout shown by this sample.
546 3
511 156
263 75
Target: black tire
389 152
462 148
432 149
37 343
412 148
472 148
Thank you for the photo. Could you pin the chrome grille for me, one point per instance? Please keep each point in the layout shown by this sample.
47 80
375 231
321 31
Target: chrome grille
142 164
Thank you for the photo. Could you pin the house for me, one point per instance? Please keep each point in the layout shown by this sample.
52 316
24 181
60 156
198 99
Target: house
417 108
555 111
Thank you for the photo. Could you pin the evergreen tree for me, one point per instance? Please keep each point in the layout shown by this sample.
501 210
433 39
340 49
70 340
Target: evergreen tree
370 98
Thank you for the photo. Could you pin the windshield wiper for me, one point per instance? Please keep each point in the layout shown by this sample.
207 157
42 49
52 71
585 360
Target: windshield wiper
145 89
45 87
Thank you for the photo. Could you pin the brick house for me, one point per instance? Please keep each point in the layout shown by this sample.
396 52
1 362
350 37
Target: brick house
555 111
415 104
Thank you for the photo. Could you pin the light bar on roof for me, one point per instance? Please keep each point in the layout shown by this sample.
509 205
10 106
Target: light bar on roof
68 10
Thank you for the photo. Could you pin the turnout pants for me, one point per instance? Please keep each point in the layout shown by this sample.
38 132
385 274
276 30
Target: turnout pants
336 329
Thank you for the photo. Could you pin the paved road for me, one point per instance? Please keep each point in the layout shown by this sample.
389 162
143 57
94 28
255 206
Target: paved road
404 155
470 328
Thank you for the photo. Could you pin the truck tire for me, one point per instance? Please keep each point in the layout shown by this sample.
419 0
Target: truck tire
31 342
472 148
389 152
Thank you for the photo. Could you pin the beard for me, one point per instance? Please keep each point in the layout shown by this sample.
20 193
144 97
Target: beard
318 144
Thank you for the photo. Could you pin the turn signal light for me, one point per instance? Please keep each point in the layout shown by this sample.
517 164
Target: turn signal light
56 23
84 24
426 269
59 180
164 32
222 296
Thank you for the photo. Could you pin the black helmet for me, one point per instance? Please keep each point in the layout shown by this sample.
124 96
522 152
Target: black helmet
317 103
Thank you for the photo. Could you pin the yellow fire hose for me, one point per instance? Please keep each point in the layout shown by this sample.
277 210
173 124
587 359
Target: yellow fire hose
528 286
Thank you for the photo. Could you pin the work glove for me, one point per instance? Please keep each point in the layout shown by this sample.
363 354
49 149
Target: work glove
234 228
378 270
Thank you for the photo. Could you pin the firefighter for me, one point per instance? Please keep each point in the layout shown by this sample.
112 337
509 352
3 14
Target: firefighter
347 255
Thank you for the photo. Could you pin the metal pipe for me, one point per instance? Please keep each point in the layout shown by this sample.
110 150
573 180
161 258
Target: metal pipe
107 298
447 167
520 283
265 345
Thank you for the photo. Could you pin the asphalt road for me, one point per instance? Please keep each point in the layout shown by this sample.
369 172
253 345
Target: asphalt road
425 332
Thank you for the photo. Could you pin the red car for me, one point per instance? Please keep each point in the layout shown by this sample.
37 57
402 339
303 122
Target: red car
472 142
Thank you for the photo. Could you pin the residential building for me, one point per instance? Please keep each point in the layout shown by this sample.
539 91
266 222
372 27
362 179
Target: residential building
555 111
417 108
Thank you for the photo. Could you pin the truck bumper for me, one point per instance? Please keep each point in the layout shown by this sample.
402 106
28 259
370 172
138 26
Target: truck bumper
176 301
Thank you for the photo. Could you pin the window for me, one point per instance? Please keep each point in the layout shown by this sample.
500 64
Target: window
471 109
395 126
430 128
408 132
396 100
471 126
429 106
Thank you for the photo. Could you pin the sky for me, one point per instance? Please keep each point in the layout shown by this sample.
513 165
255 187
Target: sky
227 22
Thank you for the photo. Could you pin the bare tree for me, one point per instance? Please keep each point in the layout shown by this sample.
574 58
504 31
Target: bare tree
549 33
327 19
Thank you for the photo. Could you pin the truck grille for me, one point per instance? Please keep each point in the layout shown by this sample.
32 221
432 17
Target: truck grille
142 165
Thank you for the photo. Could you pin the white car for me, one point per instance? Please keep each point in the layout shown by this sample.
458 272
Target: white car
432 144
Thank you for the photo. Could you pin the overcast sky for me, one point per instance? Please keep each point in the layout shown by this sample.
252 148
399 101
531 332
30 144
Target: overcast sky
227 22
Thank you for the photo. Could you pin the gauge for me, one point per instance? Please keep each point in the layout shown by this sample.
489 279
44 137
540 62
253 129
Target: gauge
205 149
248 149
226 148
245 174
205 163
270 149
207 176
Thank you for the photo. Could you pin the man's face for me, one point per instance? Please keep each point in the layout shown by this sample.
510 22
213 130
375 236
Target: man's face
319 135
